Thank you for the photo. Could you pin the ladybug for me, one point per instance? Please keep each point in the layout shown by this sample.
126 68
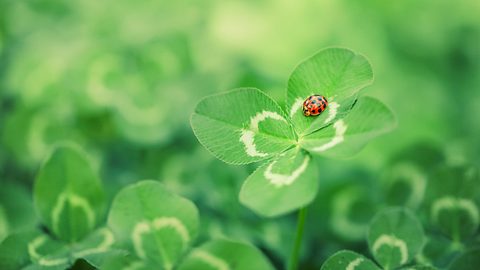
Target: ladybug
314 105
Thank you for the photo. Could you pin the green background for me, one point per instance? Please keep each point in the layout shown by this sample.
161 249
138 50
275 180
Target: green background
121 78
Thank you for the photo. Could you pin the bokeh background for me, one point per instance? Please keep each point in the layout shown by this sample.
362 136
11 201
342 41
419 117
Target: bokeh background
121 79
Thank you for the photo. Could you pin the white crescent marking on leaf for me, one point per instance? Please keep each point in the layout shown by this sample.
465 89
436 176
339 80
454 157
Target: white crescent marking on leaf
280 180
157 224
32 251
454 203
211 260
392 241
340 129
248 135
332 111
248 139
297 104
76 201
353 264
108 240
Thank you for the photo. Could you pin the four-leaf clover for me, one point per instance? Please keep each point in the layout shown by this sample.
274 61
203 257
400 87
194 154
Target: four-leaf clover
245 125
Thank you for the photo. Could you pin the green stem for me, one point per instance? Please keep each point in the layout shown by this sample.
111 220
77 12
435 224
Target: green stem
293 262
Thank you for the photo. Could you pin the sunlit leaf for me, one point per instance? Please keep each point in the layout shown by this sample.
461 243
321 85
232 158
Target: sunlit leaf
282 185
348 260
395 236
337 74
153 223
242 126
368 119
225 254
68 194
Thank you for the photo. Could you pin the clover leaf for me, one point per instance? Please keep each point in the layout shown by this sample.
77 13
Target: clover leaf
225 254
242 126
154 224
469 260
69 200
292 175
14 250
336 73
454 202
158 228
348 260
245 125
68 195
148 227
395 237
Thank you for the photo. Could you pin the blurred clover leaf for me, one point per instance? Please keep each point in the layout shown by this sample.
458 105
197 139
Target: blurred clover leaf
68 194
470 260
245 125
158 228
405 179
395 237
152 223
453 201
148 227
13 250
70 202
350 260
225 254
3 224
452 209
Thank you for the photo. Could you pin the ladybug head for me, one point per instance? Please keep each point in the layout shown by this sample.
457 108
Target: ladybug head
306 111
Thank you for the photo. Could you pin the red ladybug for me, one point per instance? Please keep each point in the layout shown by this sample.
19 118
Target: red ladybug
314 105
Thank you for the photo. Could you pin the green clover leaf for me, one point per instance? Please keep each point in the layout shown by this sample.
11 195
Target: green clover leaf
395 237
69 200
336 73
148 227
469 260
245 125
292 176
225 254
68 194
242 126
453 201
14 250
349 260
159 227
154 224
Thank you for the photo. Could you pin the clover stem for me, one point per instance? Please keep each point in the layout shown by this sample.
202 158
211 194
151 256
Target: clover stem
293 261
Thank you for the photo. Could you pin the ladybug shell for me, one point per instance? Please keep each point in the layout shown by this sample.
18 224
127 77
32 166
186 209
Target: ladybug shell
314 105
